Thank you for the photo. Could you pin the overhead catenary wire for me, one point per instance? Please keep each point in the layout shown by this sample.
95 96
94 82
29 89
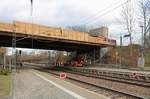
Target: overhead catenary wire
97 13
104 13
107 12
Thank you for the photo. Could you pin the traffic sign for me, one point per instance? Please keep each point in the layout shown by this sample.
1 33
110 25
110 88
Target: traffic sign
63 75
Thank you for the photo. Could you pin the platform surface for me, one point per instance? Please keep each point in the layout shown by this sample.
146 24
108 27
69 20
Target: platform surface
32 84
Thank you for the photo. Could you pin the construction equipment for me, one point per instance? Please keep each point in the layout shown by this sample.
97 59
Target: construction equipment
78 61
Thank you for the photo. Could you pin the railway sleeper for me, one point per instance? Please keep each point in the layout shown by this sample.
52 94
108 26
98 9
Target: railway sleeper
112 74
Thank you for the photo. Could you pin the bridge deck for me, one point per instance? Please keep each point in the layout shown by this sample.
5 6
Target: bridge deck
64 35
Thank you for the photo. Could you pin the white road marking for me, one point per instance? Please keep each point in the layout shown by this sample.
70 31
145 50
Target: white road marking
14 97
61 87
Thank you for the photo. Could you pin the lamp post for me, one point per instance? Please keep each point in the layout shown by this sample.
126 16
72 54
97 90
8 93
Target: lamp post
121 41
142 61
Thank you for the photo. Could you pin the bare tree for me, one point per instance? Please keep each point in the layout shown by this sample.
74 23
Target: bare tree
128 19
144 6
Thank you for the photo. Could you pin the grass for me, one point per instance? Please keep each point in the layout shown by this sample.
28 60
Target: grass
5 85
3 71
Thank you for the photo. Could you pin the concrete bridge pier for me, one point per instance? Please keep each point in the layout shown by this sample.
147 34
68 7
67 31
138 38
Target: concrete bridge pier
2 58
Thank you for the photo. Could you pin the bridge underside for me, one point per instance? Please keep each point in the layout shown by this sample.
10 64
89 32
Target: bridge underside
46 43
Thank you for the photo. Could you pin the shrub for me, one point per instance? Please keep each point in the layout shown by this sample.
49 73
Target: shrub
3 71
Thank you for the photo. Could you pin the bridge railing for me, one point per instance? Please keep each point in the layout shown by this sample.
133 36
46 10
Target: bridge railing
6 27
58 33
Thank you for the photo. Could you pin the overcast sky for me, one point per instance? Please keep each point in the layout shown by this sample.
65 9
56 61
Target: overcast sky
62 13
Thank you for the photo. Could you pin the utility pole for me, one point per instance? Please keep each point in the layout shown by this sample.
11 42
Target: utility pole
94 56
142 60
49 58
149 31
4 60
131 52
121 50
14 48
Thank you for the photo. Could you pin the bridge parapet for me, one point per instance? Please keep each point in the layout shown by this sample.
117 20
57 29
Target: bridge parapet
6 27
58 33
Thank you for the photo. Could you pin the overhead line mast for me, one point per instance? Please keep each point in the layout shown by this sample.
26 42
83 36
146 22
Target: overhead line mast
14 52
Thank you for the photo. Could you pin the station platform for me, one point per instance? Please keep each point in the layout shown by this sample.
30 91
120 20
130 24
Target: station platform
33 84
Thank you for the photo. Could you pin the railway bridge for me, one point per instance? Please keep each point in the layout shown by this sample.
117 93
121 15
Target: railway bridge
27 35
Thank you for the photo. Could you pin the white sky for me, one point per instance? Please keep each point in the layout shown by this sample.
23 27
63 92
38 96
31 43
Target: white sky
62 13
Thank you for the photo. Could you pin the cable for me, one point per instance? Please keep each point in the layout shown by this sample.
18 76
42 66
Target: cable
102 13
115 7
108 11
98 12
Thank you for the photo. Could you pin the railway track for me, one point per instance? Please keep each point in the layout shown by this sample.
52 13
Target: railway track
134 82
119 78
98 88
112 88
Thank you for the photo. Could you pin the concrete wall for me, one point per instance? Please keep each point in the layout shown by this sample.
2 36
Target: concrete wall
1 58
2 53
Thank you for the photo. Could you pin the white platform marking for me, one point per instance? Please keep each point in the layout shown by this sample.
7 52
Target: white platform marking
61 87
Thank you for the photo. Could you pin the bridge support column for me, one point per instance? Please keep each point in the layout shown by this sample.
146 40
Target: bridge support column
94 55
2 58
49 58
91 56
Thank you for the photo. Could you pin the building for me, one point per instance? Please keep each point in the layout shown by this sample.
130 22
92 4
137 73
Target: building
102 31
